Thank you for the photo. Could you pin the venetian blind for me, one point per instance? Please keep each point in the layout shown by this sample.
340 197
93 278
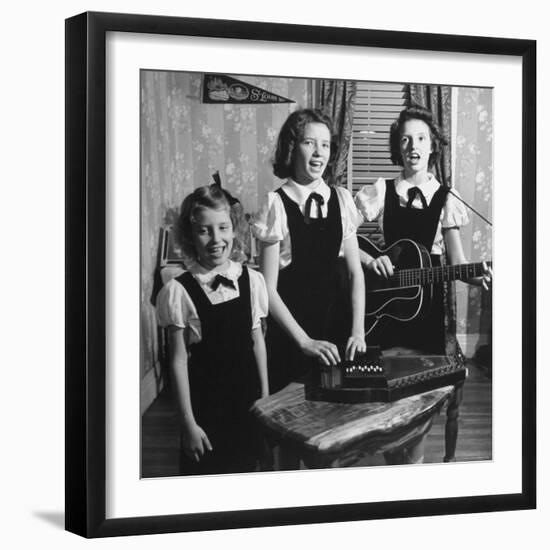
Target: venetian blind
377 105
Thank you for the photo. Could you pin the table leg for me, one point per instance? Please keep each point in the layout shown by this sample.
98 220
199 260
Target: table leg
451 426
267 456
413 453
288 458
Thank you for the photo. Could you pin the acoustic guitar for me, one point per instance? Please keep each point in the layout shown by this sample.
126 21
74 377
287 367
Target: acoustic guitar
407 294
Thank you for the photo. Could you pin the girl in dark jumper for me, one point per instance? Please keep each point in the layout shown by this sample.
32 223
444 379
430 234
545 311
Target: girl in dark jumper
213 313
308 249
416 206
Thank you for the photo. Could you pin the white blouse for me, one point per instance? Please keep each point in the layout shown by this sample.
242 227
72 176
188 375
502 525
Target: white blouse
370 202
175 307
270 224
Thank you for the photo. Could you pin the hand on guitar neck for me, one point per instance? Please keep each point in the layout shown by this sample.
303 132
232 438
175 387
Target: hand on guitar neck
484 280
455 252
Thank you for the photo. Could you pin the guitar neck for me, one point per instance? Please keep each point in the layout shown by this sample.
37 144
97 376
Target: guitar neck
442 274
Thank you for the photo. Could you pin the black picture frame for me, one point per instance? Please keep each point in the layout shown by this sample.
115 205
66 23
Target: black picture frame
86 279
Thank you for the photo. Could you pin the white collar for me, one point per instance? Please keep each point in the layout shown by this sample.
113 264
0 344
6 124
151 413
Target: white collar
429 187
299 193
205 276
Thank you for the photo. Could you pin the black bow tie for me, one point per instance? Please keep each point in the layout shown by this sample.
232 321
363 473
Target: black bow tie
412 193
221 280
309 205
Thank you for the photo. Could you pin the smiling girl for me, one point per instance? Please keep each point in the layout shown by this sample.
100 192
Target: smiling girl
307 231
217 351
416 206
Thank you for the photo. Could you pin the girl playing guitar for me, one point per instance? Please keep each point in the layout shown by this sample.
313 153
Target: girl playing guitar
416 206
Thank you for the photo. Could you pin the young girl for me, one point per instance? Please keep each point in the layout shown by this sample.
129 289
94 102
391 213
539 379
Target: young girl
217 350
416 206
304 227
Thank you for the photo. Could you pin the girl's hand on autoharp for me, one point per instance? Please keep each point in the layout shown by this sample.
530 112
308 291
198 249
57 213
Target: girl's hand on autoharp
325 352
356 344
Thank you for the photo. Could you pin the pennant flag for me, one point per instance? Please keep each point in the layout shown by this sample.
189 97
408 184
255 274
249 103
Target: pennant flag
220 88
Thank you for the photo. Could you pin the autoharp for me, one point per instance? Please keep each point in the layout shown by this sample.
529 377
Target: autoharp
387 376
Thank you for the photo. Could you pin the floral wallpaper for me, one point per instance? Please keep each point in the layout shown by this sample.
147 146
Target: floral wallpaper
184 142
473 177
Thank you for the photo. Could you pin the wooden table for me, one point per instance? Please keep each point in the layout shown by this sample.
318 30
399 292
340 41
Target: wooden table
323 434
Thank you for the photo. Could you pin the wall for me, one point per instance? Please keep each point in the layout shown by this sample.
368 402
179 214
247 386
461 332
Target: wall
473 178
183 142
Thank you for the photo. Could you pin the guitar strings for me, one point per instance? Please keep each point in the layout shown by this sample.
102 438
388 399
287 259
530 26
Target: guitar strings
407 277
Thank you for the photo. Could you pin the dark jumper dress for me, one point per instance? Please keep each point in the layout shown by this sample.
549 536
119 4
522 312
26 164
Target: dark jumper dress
420 225
311 288
223 381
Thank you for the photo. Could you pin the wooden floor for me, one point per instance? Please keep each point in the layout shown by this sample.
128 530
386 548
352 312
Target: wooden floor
160 439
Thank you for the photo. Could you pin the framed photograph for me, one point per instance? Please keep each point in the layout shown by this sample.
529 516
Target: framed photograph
157 107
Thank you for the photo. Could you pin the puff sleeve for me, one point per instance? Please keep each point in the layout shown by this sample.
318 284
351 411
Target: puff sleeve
270 223
454 213
174 306
351 217
369 200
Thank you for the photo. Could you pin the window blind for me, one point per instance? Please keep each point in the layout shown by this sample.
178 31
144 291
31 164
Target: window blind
377 105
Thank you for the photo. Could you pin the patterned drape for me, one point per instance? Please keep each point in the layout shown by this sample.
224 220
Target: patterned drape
337 99
438 100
